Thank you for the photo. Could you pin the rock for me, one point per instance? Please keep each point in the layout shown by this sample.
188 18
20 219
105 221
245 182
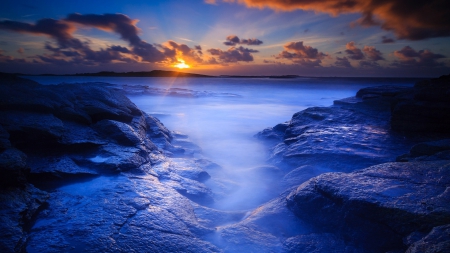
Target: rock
76 134
425 109
4 139
428 151
300 175
58 167
210 217
13 167
377 207
275 133
381 91
317 243
438 240
430 148
207 164
183 176
25 127
261 230
188 168
188 146
339 138
17 211
123 133
117 214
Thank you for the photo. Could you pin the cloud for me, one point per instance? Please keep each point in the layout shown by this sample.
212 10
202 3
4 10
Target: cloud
372 53
20 50
353 52
301 54
233 54
368 52
369 64
124 26
233 40
117 23
407 56
342 62
412 20
62 31
386 40
184 52
59 30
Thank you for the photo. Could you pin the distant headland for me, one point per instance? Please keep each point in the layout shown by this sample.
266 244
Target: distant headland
158 73
153 73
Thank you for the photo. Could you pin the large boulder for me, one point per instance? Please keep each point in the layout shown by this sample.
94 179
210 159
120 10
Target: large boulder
13 168
378 207
343 137
428 151
426 108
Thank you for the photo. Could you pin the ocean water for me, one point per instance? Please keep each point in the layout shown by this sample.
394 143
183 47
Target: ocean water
222 115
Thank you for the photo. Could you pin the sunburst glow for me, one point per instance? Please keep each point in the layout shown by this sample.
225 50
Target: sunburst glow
181 65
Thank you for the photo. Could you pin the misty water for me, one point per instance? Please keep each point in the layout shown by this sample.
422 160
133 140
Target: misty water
228 112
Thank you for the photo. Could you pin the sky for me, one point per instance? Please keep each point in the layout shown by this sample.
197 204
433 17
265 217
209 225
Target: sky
373 38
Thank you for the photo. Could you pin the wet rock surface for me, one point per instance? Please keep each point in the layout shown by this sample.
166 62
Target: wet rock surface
109 183
84 170
389 201
387 207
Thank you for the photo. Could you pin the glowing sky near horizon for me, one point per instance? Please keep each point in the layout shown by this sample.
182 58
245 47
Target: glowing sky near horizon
243 37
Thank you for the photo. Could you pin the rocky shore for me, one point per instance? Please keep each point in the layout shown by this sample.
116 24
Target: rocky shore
135 186
82 169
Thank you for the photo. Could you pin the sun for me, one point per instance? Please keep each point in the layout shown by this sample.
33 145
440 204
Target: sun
181 65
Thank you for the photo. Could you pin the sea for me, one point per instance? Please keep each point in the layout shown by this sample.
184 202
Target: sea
222 115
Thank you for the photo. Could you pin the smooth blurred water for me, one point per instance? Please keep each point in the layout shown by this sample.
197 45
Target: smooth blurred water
224 126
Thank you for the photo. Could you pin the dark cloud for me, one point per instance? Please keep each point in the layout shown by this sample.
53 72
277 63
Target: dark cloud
407 56
59 30
62 31
233 54
118 23
385 40
369 64
125 27
234 40
342 62
301 54
121 49
20 50
372 53
413 20
302 51
353 52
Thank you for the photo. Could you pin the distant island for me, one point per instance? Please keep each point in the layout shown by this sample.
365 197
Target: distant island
160 73
153 73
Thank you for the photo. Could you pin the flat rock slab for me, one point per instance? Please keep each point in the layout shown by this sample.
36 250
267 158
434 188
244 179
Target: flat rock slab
377 207
118 214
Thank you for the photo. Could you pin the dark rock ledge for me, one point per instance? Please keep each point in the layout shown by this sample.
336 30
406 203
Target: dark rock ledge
82 169
361 200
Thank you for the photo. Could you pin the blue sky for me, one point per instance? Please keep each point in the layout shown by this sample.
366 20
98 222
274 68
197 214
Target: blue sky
314 40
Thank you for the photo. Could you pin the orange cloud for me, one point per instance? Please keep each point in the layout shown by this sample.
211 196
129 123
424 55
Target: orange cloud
413 20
